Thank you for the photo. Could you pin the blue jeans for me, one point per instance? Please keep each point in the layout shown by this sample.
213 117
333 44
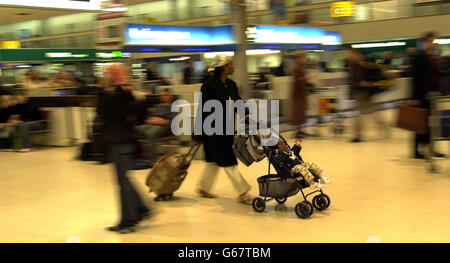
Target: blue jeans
132 205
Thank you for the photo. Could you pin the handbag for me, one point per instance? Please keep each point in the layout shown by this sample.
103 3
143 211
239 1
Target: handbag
413 119
241 151
255 150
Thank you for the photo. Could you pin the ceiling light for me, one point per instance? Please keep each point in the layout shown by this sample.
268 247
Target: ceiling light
179 59
443 41
384 44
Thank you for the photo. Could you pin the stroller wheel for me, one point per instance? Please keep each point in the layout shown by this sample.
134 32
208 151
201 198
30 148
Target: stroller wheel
258 204
303 210
281 200
310 206
321 202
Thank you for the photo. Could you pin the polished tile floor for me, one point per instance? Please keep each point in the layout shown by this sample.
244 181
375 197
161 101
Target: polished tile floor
378 193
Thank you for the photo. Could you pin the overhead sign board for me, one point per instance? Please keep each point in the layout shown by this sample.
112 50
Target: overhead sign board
343 9
26 55
165 38
284 34
332 38
9 44
103 54
159 35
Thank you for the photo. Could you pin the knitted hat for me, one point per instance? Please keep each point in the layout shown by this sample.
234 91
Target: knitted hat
220 61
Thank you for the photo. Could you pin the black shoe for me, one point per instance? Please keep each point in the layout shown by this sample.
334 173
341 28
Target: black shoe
356 140
439 155
122 229
419 156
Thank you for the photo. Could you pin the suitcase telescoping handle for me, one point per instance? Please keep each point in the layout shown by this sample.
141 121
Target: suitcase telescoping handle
196 147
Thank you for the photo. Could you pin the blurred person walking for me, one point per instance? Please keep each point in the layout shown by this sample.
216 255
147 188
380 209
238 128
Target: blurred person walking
363 74
300 92
425 73
406 65
117 110
219 148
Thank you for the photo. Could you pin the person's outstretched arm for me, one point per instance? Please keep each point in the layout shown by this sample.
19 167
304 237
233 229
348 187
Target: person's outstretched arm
297 148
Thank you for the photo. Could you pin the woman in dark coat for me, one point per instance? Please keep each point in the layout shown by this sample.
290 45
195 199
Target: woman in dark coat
299 93
218 148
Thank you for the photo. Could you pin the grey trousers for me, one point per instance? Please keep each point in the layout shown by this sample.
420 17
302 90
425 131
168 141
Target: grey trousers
365 107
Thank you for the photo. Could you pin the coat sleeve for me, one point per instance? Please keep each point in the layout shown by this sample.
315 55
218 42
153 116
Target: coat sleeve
296 149
420 75
199 121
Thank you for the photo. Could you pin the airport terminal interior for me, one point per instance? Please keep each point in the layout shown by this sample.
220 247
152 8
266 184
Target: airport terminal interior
358 90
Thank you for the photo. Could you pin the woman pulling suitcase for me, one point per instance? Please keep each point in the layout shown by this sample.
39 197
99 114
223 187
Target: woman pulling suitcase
218 148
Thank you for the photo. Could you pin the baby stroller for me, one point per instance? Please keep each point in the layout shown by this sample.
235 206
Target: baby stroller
285 184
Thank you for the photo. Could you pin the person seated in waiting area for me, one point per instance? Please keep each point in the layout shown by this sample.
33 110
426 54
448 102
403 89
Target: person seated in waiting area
9 123
63 79
28 117
32 80
158 125
5 123
294 162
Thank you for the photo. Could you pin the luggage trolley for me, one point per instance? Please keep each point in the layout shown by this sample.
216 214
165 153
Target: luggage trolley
439 122
331 105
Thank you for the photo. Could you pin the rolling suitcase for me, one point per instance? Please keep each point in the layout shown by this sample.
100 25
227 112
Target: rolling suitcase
169 172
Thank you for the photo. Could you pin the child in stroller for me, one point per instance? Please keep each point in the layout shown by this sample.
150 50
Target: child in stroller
294 162
293 175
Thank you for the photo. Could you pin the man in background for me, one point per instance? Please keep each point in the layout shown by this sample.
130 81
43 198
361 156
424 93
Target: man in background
158 124
188 72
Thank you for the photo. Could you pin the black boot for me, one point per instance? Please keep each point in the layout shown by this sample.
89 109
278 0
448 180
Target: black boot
418 155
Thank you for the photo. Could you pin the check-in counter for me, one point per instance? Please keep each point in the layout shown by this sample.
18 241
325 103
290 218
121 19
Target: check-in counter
71 116
400 90
282 90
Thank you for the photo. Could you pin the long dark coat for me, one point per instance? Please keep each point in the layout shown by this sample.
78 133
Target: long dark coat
299 96
218 148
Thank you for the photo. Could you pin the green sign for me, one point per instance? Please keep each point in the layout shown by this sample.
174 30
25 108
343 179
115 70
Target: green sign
112 54
60 55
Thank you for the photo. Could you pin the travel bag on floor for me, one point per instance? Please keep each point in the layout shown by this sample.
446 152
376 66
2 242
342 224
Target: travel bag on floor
169 172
